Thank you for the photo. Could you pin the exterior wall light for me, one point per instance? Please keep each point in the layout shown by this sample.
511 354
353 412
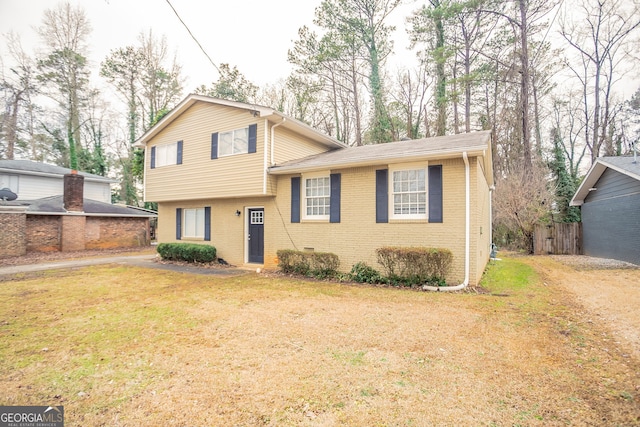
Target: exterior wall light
238 213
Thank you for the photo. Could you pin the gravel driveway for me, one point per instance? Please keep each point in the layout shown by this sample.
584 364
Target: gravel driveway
608 289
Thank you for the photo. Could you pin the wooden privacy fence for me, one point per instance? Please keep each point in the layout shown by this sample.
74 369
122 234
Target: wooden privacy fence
558 239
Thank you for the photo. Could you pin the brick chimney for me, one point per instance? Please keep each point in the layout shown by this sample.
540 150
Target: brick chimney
73 192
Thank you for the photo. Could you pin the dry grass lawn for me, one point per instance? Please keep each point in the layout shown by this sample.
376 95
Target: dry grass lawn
126 346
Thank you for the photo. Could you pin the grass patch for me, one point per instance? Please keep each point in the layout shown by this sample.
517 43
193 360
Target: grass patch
508 275
119 345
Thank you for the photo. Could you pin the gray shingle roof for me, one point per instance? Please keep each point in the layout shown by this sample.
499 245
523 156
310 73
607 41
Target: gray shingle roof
474 143
55 204
38 168
623 163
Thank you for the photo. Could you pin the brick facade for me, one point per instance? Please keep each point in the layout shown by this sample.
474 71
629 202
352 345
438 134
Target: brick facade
24 233
43 233
110 232
13 226
72 231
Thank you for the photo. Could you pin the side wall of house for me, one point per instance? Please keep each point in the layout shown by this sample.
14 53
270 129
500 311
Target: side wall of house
483 225
45 233
32 187
110 232
610 219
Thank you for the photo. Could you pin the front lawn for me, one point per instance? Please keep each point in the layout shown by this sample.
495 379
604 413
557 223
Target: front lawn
119 345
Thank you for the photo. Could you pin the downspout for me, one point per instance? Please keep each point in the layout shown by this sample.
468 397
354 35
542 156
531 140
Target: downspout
467 236
265 169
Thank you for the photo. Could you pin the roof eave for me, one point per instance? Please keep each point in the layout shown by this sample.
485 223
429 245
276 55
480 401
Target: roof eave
260 111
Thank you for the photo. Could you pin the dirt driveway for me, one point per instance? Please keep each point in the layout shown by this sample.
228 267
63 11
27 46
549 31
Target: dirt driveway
608 290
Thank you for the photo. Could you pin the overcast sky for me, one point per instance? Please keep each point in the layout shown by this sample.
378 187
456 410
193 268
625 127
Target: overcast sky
253 35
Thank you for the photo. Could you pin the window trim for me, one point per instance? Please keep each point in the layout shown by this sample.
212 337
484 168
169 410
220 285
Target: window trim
184 223
232 131
165 149
408 167
303 190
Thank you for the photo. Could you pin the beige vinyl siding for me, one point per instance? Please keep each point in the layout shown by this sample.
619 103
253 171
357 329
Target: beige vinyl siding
199 176
291 146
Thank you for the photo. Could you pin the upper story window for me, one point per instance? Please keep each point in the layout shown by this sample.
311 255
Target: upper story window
409 191
317 197
166 154
237 141
233 142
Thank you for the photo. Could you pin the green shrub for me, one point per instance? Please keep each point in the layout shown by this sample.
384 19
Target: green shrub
189 252
413 266
313 264
362 273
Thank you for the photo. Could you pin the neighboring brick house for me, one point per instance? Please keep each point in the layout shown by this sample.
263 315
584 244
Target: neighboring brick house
70 222
250 181
609 200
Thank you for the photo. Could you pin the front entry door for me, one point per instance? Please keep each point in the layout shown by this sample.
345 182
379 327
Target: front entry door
256 235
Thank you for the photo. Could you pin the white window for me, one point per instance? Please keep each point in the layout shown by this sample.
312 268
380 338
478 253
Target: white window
10 182
193 224
166 154
233 142
317 197
409 190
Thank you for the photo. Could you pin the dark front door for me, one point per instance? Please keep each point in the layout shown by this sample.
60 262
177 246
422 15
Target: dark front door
256 235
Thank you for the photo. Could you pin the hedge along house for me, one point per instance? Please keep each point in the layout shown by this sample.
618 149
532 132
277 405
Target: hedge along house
609 200
250 181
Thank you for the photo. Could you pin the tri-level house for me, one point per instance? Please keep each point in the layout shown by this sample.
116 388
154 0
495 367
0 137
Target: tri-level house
250 181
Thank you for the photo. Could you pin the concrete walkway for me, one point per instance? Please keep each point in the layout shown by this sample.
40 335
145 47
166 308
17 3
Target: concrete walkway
145 261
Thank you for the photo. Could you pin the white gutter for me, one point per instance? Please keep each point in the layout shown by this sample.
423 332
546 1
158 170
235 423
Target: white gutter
465 283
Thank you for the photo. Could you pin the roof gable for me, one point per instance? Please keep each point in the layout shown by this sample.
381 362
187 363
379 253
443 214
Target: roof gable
622 164
257 110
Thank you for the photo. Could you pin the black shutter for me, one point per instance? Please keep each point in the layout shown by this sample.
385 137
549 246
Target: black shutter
334 206
253 137
179 154
207 223
214 145
295 199
153 157
178 223
382 196
435 193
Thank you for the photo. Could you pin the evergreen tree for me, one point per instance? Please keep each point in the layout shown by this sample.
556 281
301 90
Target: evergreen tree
565 186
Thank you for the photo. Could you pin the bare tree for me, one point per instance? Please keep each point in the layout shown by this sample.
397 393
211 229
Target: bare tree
598 32
65 31
18 84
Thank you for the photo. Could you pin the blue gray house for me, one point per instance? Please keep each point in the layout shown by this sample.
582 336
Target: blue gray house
609 199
